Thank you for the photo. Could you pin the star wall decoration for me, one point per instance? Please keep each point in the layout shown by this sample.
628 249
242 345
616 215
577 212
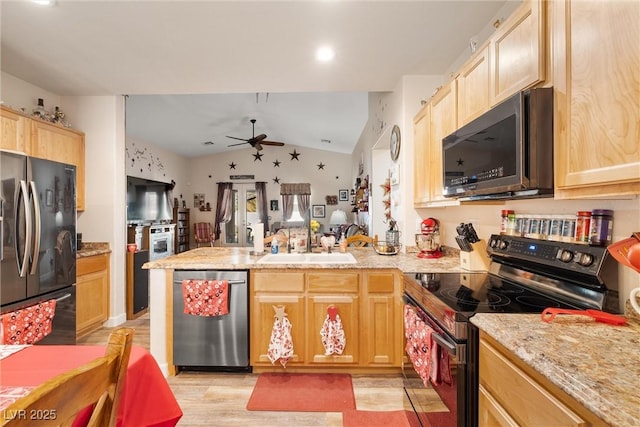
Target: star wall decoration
232 165
276 180
320 166
257 156
294 155
276 164
460 161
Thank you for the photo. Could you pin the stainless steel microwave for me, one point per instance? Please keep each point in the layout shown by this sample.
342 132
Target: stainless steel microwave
506 153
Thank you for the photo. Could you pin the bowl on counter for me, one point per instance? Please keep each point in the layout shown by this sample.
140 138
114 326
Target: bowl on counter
386 248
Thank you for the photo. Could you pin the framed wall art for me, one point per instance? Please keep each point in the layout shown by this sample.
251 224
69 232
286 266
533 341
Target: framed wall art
318 211
343 195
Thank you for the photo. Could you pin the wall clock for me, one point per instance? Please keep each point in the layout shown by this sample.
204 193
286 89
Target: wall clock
394 145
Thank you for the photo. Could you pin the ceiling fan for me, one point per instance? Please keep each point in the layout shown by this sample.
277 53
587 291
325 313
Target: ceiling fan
255 141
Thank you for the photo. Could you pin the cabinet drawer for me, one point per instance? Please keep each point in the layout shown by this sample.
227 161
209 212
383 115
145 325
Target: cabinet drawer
380 283
525 400
333 282
91 264
278 281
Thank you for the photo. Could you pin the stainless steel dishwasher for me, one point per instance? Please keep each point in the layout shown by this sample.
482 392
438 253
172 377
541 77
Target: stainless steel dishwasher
212 342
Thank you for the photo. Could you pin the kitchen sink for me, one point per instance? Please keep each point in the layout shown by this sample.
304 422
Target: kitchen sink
313 258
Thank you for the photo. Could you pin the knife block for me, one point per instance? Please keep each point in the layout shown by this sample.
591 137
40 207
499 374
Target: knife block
476 260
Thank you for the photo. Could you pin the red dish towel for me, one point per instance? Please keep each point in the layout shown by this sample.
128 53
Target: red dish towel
420 347
28 325
206 297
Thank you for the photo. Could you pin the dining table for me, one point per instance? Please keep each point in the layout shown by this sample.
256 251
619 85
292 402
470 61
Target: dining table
146 400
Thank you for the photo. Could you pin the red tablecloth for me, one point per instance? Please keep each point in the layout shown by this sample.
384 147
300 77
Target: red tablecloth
146 398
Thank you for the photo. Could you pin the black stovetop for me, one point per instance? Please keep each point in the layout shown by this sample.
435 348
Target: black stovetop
470 293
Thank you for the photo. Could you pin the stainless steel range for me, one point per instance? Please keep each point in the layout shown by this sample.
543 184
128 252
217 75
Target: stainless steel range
525 276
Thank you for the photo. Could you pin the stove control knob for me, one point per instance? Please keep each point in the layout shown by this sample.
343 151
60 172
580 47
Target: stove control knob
493 243
566 256
503 244
585 260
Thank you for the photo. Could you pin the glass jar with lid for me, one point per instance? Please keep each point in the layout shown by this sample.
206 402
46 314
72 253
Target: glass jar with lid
568 233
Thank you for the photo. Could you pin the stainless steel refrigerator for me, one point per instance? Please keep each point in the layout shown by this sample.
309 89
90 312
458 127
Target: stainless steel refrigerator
38 230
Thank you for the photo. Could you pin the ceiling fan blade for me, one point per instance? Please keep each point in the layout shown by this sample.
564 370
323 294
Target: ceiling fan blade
235 145
239 139
279 144
259 137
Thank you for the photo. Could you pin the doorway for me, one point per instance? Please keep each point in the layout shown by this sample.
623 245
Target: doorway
244 214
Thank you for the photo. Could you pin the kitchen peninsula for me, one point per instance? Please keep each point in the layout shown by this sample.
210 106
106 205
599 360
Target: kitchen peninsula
389 285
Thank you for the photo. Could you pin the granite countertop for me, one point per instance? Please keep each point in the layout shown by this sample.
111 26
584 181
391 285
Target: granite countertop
595 363
93 249
208 258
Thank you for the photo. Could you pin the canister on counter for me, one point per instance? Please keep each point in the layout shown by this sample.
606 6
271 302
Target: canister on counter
555 228
568 228
545 223
583 227
534 227
601 227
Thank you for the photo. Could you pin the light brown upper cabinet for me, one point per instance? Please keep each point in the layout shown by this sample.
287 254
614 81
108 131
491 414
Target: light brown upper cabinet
421 123
52 142
517 51
443 122
15 131
473 87
597 98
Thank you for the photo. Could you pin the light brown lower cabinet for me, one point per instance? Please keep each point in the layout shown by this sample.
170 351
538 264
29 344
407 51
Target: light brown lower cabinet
367 301
92 293
513 394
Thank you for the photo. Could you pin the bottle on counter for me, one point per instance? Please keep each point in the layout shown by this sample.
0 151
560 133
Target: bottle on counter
601 227
555 228
274 246
583 227
342 244
511 224
568 232
504 222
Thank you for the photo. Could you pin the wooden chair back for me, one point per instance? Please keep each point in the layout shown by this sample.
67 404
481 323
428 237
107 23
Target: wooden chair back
97 382
203 234
360 240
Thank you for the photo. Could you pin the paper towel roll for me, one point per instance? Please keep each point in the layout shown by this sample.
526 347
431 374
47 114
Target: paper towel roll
258 238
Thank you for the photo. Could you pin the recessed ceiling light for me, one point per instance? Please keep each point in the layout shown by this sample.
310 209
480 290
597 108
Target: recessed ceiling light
44 2
325 54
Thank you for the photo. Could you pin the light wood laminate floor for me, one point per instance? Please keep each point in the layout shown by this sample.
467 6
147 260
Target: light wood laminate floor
220 399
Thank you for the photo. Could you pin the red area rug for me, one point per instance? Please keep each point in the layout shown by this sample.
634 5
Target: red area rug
302 393
375 418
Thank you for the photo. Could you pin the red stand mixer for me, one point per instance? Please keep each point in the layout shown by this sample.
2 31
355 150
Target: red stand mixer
428 241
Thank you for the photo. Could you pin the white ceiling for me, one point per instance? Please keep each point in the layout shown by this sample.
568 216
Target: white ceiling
206 67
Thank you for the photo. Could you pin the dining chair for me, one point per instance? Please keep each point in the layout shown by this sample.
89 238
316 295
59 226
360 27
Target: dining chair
203 234
98 382
360 240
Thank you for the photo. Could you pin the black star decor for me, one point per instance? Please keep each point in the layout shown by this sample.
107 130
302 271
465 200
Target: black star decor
257 156
294 155
276 180
460 161
320 166
232 165
276 164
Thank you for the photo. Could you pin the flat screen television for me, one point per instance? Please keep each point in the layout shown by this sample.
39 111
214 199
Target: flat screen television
148 201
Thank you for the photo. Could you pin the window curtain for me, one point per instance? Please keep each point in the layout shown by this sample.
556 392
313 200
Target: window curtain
288 192
261 194
223 206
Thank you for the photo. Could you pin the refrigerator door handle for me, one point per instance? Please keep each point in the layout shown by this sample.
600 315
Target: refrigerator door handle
37 227
22 267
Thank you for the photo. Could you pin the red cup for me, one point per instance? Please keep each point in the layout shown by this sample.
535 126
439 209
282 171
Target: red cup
132 247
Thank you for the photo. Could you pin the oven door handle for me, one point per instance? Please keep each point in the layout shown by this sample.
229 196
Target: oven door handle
444 343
